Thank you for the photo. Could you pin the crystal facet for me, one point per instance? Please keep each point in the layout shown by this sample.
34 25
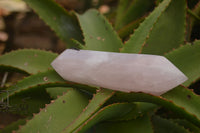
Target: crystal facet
119 71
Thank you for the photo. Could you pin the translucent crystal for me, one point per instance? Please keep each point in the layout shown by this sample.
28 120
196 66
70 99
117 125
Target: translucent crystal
119 71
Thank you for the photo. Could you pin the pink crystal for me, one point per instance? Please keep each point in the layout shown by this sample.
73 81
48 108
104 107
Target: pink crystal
119 71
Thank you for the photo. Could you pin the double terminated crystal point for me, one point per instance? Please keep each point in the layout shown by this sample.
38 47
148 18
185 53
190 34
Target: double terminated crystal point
119 71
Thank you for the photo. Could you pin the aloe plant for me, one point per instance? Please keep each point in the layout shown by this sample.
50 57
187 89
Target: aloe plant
55 105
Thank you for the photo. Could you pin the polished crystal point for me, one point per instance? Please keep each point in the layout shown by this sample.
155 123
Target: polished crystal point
119 71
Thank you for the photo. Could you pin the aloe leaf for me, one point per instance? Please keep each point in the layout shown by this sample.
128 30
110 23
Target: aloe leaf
134 10
122 7
196 11
186 58
136 41
139 125
161 125
140 109
192 19
197 8
185 98
97 101
54 92
63 23
57 115
99 34
29 95
173 100
158 1
27 102
42 80
37 80
129 28
187 125
27 61
106 113
13 126
169 31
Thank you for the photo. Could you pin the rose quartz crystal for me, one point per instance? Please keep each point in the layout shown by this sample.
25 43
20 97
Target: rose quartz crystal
119 71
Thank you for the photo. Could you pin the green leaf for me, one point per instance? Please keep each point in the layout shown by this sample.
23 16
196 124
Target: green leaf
139 125
97 101
28 102
57 115
40 80
43 80
158 1
122 7
196 11
99 34
155 36
173 101
135 43
185 98
54 92
140 109
107 113
64 24
187 125
29 95
169 31
27 61
128 29
186 58
161 125
132 10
